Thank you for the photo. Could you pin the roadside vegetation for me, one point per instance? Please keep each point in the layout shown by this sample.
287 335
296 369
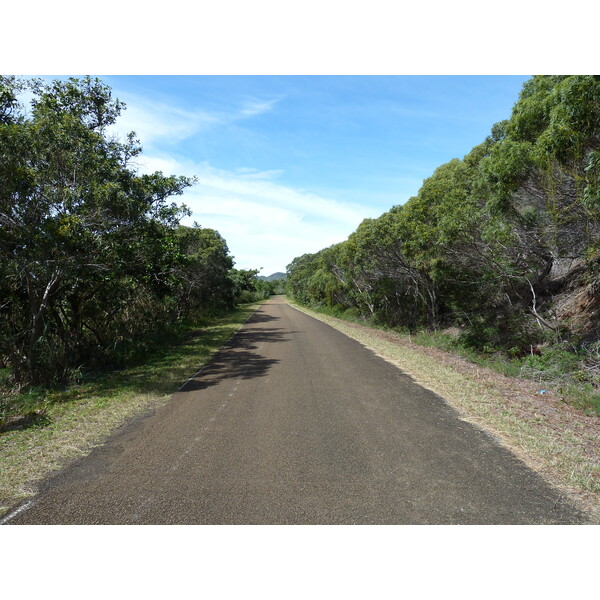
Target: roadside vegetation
250 287
107 301
497 257
96 269
63 424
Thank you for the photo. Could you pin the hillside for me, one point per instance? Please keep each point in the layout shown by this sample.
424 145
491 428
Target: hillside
273 277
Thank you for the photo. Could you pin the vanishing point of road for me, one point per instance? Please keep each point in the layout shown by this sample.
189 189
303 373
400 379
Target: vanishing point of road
295 423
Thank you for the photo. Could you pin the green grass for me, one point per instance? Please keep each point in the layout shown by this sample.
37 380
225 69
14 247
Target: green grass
497 361
164 362
70 422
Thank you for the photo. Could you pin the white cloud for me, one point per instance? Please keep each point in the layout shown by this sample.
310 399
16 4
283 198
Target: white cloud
255 174
266 224
257 107
156 122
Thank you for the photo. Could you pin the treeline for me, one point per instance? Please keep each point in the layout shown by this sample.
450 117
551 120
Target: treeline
93 259
252 288
503 244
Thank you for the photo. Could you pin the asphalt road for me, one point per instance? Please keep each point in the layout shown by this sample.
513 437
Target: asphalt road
295 423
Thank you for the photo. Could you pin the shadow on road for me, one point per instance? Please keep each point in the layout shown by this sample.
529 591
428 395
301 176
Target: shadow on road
260 317
240 357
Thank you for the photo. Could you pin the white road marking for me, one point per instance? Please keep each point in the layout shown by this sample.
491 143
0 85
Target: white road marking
13 514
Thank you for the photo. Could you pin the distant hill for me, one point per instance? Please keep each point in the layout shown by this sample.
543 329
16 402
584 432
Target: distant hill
273 277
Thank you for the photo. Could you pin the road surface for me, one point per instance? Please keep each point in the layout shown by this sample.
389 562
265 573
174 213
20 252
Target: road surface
295 423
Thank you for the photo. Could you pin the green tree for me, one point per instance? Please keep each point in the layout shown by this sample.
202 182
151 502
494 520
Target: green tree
203 278
487 241
84 238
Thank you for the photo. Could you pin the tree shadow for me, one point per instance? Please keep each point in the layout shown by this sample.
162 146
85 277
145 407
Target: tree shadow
163 372
239 359
260 317
37 418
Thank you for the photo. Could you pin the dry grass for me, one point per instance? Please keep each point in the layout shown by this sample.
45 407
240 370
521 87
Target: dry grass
83 417
558 441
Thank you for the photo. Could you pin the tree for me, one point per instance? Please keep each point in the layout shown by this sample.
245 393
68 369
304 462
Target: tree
488 240
83 236
203 278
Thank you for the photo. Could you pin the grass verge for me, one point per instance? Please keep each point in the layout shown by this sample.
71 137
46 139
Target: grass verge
78 419
572 373
559 441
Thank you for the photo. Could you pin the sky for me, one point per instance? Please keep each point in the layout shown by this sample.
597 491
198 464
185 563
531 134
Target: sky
287 165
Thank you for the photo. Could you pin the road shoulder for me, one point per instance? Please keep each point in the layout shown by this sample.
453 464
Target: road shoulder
559 442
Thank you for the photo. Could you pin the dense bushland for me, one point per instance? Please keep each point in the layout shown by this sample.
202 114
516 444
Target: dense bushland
94 262
503 245
249 287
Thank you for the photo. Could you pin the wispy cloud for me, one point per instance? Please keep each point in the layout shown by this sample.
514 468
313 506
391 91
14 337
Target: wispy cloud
313 206
159 123
266 223
248 173
255 107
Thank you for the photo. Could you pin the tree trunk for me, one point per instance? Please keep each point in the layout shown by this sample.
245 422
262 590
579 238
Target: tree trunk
38 311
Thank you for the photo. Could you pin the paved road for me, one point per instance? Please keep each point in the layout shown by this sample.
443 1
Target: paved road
293 422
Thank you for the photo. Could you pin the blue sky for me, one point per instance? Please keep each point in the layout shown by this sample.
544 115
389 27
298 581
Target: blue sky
289 165
292 164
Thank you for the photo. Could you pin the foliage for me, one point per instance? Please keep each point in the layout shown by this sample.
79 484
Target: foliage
93 259
248 287
487 241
